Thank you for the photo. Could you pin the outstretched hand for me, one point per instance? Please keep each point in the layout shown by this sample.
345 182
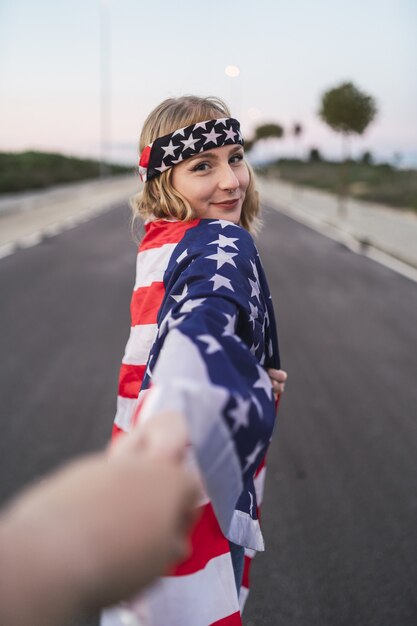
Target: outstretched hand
278 379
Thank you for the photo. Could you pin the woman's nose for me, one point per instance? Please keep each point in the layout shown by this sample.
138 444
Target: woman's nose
228 179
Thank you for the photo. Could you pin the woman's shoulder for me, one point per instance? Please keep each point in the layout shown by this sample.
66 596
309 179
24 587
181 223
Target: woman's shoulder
221 233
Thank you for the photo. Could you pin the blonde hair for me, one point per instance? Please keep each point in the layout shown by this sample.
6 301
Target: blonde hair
158 198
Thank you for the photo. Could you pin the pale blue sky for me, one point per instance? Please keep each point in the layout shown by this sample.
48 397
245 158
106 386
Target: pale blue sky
288 52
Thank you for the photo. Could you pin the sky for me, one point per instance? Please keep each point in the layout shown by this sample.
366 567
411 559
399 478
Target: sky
289 53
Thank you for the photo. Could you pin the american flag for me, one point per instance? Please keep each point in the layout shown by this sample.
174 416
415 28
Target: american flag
202 336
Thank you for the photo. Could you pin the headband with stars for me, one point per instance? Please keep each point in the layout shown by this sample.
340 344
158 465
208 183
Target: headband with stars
167 151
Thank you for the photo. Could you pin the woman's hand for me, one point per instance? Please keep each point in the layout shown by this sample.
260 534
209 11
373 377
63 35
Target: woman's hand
278 379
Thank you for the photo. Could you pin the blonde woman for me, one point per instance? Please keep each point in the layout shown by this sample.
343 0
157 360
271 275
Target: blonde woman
203 344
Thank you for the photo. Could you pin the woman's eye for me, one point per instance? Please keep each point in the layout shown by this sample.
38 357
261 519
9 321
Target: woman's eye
200 167
236 158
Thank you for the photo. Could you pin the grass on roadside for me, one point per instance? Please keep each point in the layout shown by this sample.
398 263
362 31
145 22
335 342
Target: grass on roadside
36 170
376 183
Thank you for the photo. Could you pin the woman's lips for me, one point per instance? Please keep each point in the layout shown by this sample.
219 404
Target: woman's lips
228 204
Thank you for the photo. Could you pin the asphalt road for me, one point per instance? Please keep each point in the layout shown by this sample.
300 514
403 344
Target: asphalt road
340 515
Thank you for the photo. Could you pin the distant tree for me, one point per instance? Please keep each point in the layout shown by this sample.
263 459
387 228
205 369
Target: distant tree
348 111
314 156
297 131
266 131
249 143
367 158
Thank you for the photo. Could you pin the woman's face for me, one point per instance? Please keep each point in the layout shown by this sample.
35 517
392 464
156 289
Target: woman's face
214 182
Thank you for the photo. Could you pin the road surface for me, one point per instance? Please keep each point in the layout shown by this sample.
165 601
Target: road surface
340 516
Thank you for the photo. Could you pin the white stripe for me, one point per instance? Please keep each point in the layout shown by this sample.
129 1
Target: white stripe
243 596
151 264
245 531
139 344
197 599
250 553
125 410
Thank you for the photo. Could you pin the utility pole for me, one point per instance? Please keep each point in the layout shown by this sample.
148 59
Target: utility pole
104 86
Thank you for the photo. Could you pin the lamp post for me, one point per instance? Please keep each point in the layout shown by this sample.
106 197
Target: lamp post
104 86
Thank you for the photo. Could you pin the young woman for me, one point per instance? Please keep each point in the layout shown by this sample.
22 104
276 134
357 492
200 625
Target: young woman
202 342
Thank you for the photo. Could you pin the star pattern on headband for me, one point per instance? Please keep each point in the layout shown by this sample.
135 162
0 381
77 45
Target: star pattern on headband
211 137
169 149
183 143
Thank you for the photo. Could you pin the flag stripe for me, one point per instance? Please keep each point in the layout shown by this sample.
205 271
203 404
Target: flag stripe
151 264
130 380
157 233
209 540
139 343
231 620
146 302
200 599
125 411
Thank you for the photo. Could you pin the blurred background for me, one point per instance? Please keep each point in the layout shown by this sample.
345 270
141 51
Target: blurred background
80 77
326 93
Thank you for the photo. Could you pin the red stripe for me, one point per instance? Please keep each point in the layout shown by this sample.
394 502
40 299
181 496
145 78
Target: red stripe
146 302
157 234
231 620
246 572
130 380
117 432
207 542
262 464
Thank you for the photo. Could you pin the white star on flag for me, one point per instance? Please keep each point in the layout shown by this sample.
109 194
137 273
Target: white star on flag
182 295
224 223
253 313
222 257
221 120
189 143
240 414
190 305
220 281
211 137
251 458
169 149
263 382
182 256
163 167
255 289
254 348
212 344
170 321
148 371
230 134
200 125
225 242
180 131
254 270
229 329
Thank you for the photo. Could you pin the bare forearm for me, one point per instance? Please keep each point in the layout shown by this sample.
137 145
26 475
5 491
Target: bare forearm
38 577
